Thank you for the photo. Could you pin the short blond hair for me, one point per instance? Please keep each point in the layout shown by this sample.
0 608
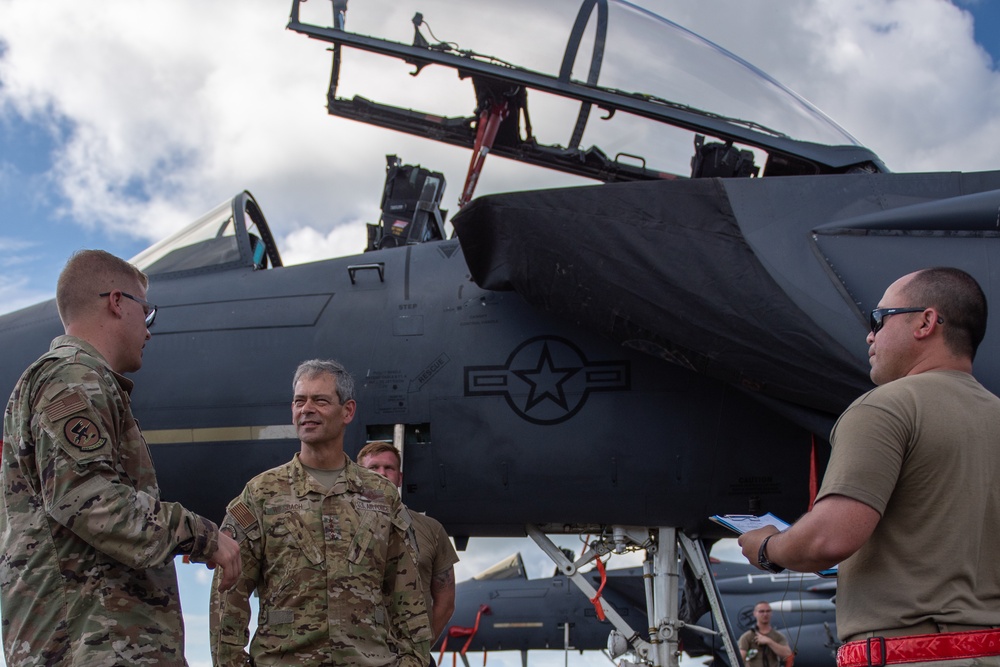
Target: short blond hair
89 273
378 447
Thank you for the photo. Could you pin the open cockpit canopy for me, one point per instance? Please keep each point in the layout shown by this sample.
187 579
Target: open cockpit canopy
602 89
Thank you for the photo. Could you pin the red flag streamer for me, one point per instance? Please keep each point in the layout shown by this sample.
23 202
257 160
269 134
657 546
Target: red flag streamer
596 600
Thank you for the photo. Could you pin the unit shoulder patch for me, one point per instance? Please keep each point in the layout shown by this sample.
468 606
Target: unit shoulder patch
84 434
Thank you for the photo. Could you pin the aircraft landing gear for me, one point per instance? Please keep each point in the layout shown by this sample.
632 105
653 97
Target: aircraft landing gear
666 550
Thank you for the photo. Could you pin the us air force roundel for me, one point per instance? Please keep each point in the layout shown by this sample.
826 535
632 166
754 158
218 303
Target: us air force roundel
83 434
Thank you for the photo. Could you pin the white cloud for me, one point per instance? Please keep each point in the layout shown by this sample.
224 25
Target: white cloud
15 294
909 82
168 106
11 249
308 245
171 107
15 290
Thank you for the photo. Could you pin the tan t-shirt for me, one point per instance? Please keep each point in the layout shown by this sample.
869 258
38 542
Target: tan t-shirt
924 451
764 656
435 554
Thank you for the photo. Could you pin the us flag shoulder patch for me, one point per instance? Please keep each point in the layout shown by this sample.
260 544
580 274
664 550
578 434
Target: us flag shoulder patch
243 516
64 407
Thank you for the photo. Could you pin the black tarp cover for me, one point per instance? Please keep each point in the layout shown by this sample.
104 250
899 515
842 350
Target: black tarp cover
662 267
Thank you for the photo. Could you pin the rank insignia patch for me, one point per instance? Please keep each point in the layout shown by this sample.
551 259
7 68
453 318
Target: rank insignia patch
83 434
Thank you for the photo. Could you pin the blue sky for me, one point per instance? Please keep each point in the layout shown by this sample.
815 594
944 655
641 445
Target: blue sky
122 121
987 25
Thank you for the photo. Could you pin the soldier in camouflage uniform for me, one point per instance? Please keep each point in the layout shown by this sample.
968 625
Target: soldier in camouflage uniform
86 546
324 545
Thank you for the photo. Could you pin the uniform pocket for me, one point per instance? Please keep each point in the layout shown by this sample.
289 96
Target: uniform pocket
299 534
289 550
362 538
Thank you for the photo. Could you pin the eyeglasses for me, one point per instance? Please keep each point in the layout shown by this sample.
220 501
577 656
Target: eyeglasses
877 317
148 308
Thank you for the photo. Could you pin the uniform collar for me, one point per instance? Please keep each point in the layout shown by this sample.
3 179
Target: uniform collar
303 482
79 343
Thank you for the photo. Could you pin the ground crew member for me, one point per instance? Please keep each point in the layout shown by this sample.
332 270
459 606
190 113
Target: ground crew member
910 501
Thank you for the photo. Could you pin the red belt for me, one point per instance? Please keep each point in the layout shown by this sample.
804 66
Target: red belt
878 651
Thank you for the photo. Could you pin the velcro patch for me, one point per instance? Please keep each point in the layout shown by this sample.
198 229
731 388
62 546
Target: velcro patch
278 617
283 509
371 506
83 434
243 516
64 407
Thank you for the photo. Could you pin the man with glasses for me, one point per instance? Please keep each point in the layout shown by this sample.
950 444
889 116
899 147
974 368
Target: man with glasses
910 505
86 545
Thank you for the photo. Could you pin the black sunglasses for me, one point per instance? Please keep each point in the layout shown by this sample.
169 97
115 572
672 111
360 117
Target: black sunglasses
877 317
148 308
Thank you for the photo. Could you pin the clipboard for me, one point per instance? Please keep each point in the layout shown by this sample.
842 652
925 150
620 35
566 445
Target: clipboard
743 523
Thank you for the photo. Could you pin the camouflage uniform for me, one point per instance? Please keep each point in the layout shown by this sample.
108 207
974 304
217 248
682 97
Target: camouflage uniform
86 547
333 570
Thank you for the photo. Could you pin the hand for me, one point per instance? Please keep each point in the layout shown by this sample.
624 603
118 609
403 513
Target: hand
227 556
750 542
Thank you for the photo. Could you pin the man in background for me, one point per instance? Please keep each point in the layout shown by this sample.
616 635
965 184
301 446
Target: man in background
436 556
763 646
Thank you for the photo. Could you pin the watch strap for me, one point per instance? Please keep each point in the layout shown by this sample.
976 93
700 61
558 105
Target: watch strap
762 560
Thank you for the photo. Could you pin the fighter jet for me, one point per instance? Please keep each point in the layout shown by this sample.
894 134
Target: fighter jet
623 359
501 609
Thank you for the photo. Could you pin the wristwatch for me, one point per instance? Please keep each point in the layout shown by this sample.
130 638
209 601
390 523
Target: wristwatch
763 562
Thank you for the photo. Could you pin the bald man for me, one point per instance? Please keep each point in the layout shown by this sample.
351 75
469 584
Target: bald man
909 504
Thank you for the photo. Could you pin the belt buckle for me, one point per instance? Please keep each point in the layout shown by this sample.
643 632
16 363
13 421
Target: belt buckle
868 651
